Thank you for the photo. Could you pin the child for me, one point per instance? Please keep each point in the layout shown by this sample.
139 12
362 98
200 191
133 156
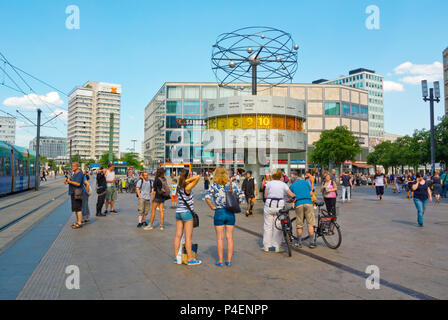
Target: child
174 194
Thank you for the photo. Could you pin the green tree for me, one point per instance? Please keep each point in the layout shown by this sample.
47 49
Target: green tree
441 141
385 154
335 146
104 161
132 160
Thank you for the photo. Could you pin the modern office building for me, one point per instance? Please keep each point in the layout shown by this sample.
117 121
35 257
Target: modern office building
445 78
50 147
89 115
391 137
8 129
372 82
174 119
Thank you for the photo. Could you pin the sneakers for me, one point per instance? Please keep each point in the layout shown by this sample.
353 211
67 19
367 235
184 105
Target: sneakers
161 228
313 244
148 227
264 249
194 262
145 223
139 225
219 264
113 212
279 250
298 244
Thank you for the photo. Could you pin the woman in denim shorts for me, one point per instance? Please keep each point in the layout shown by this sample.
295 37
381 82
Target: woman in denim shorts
184 218
224 220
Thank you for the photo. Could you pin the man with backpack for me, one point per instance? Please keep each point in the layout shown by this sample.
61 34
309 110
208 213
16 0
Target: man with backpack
101 187
143 189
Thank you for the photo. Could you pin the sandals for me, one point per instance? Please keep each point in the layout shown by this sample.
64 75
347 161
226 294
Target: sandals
219 264
76 226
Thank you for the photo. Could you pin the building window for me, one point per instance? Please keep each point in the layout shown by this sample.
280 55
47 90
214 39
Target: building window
191 92
192 107
209 92
346 109
226 92
174 93
364 112
355 110
173 136
171 122
174 107
332 108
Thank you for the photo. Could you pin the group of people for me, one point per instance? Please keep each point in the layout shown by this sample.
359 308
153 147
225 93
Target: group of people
275 188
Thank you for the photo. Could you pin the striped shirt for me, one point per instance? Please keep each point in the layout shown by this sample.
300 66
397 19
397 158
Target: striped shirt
181 206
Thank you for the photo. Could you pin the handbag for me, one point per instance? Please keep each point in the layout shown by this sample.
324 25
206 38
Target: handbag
78 193
194 214
232 203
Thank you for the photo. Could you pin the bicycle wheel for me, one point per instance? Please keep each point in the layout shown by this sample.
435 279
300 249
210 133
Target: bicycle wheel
288 241
331 233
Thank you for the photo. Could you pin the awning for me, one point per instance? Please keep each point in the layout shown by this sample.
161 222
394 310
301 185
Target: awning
363 165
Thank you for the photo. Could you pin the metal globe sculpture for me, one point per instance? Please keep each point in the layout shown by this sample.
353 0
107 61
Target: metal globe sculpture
254 54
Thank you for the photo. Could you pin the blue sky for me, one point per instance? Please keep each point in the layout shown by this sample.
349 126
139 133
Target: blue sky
142 44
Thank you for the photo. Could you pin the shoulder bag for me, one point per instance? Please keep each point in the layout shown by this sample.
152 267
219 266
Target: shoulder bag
194 214
231 201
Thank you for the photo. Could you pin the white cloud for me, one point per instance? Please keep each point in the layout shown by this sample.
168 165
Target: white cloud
32 101
415 73
392 86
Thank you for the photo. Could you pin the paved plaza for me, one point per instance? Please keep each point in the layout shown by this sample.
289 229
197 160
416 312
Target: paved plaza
119 261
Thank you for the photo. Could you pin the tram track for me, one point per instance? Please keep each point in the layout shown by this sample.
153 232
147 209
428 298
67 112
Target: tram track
20 218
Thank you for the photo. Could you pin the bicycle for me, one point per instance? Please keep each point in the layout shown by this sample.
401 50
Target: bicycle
327 228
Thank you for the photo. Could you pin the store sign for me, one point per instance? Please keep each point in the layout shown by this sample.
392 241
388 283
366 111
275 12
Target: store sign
190 122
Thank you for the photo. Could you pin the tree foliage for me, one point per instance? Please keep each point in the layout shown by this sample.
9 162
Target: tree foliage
335 146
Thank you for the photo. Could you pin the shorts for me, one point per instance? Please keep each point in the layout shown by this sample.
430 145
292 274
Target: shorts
174 198
379 190
224 217
184 216
111 193
409 188
305 211
143 207
76 204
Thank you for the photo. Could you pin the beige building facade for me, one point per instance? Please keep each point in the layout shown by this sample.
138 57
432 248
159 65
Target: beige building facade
89 110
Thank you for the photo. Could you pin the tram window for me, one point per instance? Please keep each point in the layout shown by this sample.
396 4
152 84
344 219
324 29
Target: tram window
16 167
8 166
21 167
2 171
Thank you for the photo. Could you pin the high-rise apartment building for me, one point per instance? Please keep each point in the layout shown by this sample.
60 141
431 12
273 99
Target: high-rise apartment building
89 115
8 129
445 78
50 147
372 82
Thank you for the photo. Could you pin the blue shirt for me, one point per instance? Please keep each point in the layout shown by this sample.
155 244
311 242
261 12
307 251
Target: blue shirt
301 189
77 177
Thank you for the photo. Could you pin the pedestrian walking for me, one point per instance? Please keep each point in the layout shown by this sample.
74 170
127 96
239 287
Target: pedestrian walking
266 179
174 193
101 186
224 220
76 193
410 182
184 215
347 186
143 190
437 186
379 181
304 210
161 193
329 189
422 193
85 199
111 190
249 188
444 179
275 192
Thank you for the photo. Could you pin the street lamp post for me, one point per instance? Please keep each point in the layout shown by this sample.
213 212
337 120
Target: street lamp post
434 95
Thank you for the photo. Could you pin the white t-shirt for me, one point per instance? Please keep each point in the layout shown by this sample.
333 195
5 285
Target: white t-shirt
110 176
379 180
276 190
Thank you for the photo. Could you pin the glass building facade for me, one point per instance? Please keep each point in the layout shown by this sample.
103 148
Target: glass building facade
373 83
